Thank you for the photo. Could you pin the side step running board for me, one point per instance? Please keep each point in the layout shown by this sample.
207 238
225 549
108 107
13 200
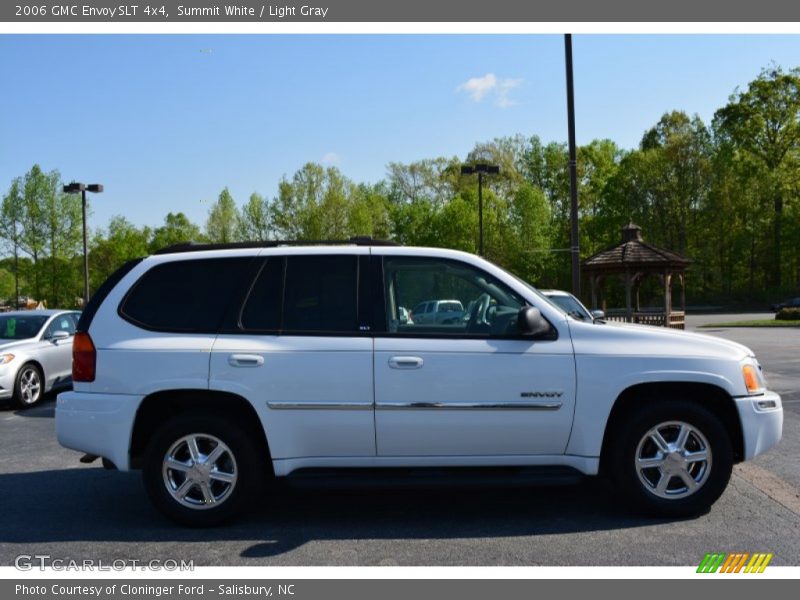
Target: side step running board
401 477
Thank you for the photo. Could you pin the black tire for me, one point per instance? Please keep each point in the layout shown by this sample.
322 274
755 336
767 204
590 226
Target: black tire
246 464
21 396
641 491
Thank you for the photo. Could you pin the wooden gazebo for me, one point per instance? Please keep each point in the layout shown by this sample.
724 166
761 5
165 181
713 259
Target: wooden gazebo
632 261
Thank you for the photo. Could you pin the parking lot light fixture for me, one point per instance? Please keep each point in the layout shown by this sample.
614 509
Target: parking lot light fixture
480 169
75 188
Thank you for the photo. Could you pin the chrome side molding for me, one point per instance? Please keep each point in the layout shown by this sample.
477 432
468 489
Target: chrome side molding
543 405
278 405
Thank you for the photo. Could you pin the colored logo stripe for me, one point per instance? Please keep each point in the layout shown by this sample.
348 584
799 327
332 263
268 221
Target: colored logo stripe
734 562
711 562
758 563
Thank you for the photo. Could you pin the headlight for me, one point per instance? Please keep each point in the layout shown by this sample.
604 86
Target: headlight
752 379
6 358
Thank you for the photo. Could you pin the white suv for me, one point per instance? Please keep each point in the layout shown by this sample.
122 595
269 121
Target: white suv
438 312
214 368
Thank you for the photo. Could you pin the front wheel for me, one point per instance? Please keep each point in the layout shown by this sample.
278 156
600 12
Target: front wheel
671 458
200 470
29 386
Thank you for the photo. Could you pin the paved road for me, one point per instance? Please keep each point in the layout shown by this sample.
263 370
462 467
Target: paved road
54 505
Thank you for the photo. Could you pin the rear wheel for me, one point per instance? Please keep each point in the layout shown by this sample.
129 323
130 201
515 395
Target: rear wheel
200 470
671 458
29 386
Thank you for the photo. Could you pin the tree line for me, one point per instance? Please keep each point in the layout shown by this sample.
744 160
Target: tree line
725 194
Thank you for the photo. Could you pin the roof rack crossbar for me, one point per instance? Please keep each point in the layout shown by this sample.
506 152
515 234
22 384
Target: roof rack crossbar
199 246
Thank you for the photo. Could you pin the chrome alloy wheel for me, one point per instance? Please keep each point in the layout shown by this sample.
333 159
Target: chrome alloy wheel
30 385
673 460
199 471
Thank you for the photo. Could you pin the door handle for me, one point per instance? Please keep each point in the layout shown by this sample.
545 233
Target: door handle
245 360
406 362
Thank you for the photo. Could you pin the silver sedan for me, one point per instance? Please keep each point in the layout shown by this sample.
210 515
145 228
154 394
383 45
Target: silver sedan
35 353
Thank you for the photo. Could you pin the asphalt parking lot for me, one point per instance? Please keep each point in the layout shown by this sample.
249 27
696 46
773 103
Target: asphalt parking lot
54 505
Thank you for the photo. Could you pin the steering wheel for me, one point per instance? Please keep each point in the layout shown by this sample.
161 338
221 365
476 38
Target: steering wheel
479 309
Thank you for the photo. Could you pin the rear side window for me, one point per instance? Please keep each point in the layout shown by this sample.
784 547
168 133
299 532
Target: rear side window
186 295
88 313
321 294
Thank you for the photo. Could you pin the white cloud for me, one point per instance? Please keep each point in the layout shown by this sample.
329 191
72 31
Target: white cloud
331 158
490 85
478 87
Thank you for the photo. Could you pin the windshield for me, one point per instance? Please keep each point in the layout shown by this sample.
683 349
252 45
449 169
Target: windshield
571 306
20 327
537 292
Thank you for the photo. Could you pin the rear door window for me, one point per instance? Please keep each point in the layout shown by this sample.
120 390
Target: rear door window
262 310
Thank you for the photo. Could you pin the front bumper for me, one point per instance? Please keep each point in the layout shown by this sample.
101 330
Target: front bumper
99 424
762 422
8 378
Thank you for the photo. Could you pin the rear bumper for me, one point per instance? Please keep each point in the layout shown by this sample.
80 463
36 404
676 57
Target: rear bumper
98 424
762 422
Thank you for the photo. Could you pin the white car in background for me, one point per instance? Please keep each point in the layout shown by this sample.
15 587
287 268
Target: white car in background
571 305
436 312
35 353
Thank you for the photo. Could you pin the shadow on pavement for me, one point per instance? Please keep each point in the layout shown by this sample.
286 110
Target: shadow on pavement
93 504
46 408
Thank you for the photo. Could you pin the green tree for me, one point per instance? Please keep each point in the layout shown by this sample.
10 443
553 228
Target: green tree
38 190
320 203
120 242
7 285
177 228
223 219
764 122
11 228
430 180
254 219
62 217
530 234
369 212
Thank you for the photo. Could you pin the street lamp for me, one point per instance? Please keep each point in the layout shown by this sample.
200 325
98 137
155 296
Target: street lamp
74 188
480 169
573 171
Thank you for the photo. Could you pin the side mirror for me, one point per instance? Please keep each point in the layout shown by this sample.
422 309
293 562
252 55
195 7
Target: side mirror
531 323
598 314
59 335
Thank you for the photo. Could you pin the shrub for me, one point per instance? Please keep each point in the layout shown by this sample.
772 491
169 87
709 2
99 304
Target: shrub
788 314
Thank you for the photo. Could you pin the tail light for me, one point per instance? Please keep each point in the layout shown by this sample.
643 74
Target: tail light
84 357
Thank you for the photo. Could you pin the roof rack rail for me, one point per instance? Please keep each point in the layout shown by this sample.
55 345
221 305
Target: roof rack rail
199 246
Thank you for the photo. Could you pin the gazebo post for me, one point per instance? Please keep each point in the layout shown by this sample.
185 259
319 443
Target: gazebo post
683 292
593 284
667 299
628 296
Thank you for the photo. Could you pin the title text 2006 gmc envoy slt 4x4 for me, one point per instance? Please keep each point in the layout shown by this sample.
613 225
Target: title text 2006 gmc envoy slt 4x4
213 368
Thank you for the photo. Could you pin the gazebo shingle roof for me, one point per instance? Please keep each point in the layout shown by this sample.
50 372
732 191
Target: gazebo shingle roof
634 252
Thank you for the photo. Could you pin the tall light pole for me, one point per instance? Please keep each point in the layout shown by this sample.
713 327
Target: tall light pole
480 169
74 188
573 172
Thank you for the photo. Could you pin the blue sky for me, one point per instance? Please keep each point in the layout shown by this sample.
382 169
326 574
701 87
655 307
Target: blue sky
165 122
